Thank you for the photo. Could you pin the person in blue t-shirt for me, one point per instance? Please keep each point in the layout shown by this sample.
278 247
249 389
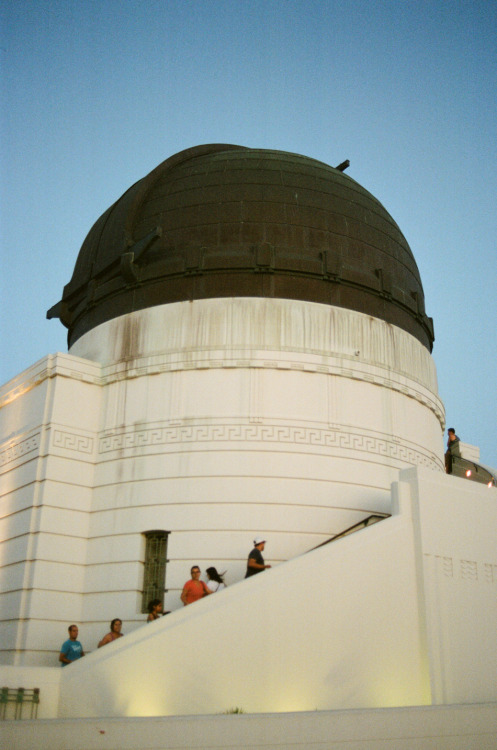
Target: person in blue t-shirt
71 650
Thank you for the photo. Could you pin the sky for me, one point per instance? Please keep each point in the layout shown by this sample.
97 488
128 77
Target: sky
96 93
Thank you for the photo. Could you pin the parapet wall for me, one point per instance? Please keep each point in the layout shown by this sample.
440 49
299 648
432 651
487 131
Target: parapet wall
400 613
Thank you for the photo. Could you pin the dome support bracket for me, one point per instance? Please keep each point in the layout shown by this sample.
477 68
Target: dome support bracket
129 259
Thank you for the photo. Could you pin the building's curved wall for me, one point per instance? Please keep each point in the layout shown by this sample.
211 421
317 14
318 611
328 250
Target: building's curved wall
239 328
229 417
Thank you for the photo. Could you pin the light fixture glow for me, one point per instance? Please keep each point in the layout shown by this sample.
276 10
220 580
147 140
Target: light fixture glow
468 473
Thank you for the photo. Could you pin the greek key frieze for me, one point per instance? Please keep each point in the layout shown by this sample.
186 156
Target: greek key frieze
297 435
445 565
72 441
490 572
12 451
469 570
465 570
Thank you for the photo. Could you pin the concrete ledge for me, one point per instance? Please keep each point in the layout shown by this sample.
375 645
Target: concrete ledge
456 727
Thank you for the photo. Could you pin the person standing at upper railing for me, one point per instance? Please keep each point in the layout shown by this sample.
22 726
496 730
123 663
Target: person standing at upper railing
452 449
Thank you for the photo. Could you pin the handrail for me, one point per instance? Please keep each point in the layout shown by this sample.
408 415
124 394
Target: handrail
369 521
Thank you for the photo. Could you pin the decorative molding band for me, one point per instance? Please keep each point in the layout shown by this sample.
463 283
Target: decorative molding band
490 572
73 441
341 439
355 370
116 373
346 366
12 450
22 447
62 365
465 570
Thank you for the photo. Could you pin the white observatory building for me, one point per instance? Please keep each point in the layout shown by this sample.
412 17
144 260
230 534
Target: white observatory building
249 354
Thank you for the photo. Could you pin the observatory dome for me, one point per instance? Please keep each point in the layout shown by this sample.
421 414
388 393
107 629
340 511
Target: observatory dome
227 221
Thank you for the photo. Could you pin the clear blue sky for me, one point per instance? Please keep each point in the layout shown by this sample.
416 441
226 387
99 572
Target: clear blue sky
96 93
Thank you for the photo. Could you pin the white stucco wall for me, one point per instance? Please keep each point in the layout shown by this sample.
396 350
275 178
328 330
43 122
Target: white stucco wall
400 613
48 422
325 630
239 416
457 522
214 420
46 679
371 620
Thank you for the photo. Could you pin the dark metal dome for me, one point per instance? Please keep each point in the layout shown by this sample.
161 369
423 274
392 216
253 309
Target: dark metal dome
228 221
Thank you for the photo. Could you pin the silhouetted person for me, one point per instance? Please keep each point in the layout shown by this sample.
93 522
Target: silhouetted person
452 449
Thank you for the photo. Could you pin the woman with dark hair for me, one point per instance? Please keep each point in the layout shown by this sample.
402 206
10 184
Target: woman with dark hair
215 580
154 610
115 632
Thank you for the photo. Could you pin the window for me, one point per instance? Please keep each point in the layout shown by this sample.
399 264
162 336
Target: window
154 574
